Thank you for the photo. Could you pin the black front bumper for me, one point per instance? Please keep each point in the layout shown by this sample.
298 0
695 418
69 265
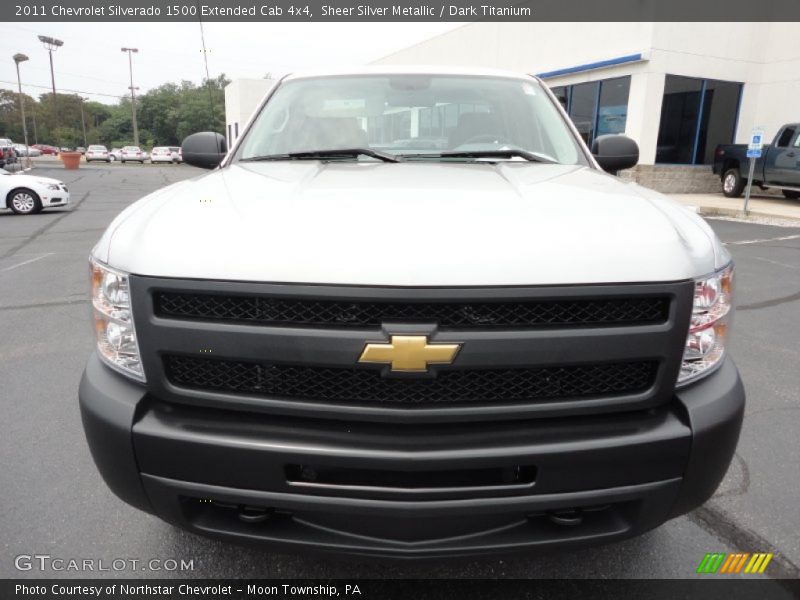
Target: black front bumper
595 478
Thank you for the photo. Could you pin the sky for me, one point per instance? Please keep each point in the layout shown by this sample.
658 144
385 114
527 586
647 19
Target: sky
91 62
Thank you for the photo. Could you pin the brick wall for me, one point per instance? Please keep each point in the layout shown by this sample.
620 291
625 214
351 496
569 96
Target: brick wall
674 179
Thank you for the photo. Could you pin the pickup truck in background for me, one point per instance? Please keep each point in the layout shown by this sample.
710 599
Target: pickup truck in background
778 167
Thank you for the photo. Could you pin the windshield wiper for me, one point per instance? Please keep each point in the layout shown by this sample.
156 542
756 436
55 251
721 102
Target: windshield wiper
506 153
323 154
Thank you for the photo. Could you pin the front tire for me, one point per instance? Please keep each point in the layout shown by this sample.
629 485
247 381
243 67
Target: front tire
732 183
791 194
23 201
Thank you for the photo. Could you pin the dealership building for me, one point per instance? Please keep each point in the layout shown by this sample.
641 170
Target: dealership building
678 89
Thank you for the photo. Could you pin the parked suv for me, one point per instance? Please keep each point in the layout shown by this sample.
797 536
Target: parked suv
337 340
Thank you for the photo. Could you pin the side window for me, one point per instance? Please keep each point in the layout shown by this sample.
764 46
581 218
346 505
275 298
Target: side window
786 137
797 142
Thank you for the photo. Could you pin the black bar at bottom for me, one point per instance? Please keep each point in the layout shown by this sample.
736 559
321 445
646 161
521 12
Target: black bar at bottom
707 588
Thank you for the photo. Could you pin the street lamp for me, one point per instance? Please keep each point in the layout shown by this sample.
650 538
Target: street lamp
133 89
18 58
81 99
52 44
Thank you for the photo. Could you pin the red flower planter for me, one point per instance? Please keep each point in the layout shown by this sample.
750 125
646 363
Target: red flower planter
71 160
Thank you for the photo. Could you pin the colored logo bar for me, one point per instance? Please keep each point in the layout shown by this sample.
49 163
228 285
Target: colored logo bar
738 562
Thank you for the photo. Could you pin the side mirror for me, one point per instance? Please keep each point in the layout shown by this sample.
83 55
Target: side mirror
205 149
615 152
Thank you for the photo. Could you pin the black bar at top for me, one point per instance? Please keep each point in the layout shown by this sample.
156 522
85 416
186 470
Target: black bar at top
401 10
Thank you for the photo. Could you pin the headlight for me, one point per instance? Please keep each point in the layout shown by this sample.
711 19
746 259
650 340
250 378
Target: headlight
709 328
50 186
113 321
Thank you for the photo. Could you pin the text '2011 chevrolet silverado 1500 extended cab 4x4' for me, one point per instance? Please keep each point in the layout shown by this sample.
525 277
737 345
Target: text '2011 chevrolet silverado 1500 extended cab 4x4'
408 315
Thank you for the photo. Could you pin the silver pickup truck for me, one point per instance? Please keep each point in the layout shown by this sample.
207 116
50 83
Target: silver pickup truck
339 339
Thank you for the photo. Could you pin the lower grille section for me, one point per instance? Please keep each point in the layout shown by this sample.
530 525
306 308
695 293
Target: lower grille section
369 386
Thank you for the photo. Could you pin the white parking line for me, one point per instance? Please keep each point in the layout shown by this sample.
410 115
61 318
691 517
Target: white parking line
775 239
26 262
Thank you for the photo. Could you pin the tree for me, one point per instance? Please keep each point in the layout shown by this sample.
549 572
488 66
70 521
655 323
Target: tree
11 118
165 115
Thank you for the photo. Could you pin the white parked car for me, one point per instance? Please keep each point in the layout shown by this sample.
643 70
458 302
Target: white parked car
164 154
97 152
28 194
23 150
115 154
133 153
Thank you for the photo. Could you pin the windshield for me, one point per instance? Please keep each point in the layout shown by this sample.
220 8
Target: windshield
417 117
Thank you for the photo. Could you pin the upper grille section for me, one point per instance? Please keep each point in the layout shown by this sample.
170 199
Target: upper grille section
267 310
367 385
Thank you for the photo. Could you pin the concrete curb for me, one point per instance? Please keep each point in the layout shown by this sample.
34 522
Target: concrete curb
716 211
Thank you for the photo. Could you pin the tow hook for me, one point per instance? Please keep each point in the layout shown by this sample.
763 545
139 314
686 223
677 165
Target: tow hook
568 517
254 514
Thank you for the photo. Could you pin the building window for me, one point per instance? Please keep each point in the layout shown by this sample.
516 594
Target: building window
562 93
598 107
583 108
696 116
612 112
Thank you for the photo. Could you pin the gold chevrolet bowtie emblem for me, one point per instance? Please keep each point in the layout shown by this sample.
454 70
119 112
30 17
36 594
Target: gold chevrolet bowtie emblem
410 353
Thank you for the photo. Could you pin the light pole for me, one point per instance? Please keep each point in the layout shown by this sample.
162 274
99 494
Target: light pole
52 44
130 52
18 58
83 121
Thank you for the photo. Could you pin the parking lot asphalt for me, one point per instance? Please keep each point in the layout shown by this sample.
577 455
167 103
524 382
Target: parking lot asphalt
54 501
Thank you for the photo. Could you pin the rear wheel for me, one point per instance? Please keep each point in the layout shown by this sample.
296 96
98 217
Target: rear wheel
791 194
24 201
732 183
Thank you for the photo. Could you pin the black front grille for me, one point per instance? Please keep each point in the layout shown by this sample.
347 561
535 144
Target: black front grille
269 310
369 386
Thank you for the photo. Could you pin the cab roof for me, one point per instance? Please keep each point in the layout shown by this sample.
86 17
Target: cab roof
411 70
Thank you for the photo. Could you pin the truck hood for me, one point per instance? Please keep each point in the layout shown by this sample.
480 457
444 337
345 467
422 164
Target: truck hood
410 224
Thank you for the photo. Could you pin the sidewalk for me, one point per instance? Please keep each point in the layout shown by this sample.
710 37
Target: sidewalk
761 205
